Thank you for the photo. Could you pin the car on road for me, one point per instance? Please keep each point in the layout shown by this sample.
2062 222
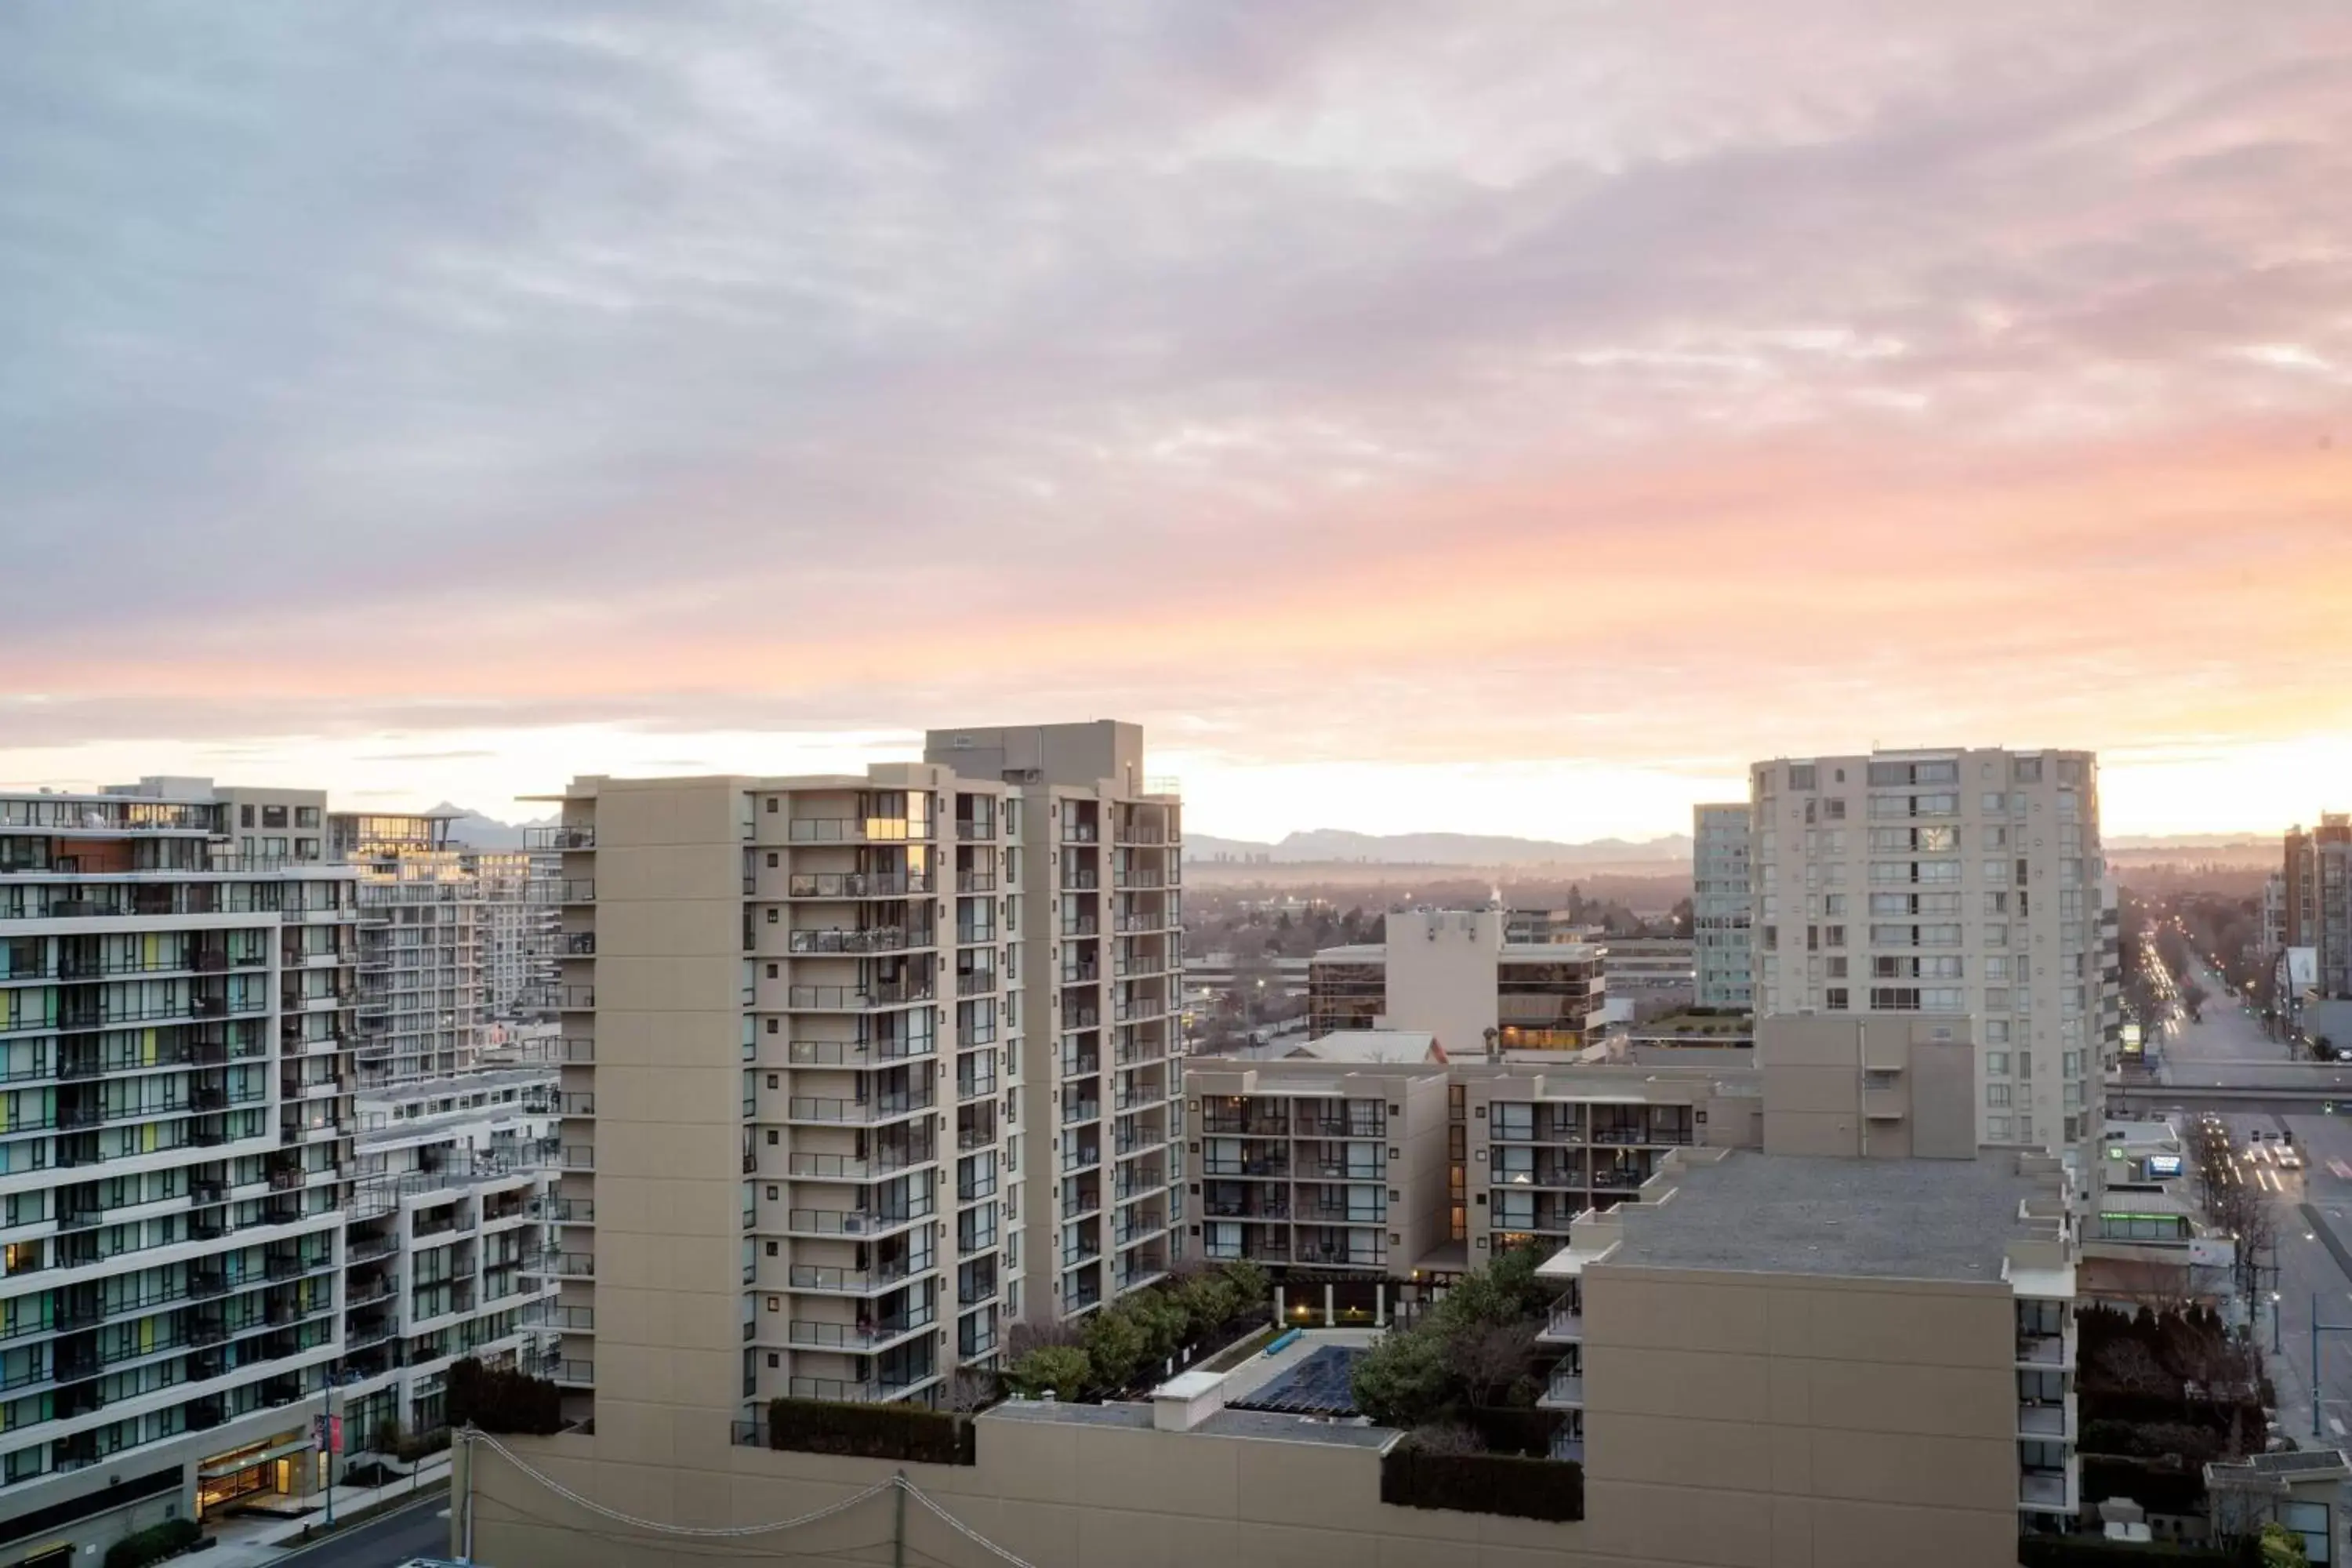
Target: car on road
2289 1160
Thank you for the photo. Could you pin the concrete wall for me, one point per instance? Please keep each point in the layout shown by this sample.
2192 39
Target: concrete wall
669 1295
1080 754
1875 1084
1056 1495
1765 1420
1441 974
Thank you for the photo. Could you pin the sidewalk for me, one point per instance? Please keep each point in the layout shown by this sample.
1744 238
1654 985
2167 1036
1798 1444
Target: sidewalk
254 1537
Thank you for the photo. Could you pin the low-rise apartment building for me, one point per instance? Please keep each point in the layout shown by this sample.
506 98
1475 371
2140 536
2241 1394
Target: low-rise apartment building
446 1245
1758 1359
1455 975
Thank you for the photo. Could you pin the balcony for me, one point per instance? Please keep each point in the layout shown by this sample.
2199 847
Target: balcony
2047 1421
860 1112
856 999
2050 1490
858 1338
856 1053
1077 1112
1565 1326
847 1168
857 884
877 938
821 1280
969 830
976 984
841 1391
854 1222
857 830
560 837
1564 1392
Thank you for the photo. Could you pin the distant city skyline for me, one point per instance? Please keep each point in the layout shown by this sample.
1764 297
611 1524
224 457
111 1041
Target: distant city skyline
1419 417
2257 791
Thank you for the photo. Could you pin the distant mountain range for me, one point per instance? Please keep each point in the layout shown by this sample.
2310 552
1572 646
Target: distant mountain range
1332 844
479 832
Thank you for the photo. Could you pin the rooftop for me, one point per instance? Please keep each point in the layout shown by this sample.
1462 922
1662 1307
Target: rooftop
1885 1219
1265 1426
1369 1046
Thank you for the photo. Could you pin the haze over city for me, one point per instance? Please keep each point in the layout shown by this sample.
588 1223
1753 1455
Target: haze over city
1418 418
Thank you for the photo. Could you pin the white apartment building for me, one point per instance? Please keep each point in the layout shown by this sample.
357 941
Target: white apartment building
422 1008
822 1016
518 930
447 1245
1956 882
1721 902
178 976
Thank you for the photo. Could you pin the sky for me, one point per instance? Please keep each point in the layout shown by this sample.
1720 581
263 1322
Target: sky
1512 417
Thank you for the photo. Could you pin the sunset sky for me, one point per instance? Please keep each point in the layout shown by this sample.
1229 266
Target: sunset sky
1501 417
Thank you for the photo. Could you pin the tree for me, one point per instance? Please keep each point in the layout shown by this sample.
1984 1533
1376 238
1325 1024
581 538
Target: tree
1208 1301
2282 1547
1115 1345
1444 1438
1165 1322
1252 1286
1403 1381
1063 1371
1490 1357
967 1392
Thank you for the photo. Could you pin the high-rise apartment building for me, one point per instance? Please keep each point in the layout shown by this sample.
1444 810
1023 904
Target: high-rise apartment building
1721 902
422 1008
2317 899
856 1069
178 979
517 930
1455 974
1948 882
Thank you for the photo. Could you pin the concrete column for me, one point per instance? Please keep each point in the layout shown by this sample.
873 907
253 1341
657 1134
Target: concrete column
1331 1318
1380 1306
1277 1305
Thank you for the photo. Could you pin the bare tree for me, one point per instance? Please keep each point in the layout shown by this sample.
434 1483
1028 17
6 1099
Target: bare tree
1490 1357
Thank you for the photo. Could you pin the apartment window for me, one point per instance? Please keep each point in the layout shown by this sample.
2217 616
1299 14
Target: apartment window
771 914
306 849
1836 999
1834 905
306 816
2025 770
1833 936
1996 998
1997 1129
1996 1094
245 816
771 1025
1996 872
1771 939
1804 776
1997 1063
273 817
771 971
772 806
1996 935
1834 810
772 860
1996 903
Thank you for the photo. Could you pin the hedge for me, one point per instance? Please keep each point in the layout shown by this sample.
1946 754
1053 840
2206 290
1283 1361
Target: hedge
2151 1409
153 1544
1509 1429
870 1431
502 1400
1483 1483
2097 1551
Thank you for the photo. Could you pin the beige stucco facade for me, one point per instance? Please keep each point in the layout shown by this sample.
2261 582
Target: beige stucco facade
1873 1086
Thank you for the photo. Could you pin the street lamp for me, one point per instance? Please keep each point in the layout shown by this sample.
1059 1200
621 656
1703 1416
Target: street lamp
2276 1347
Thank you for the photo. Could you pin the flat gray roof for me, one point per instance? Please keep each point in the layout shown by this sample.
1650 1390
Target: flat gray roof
1881 1219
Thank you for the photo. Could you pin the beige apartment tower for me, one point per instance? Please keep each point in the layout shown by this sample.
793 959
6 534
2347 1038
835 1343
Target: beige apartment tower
858 1069
1965 885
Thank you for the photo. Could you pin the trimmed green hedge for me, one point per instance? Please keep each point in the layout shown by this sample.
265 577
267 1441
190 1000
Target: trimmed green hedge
153 1544
502 1400
1483 1483
870 1431
2097 1551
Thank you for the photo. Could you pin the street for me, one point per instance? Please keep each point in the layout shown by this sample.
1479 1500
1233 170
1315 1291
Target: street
2308 1267
420 1529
